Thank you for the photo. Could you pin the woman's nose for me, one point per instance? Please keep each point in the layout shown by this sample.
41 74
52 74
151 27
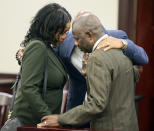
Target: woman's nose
64 36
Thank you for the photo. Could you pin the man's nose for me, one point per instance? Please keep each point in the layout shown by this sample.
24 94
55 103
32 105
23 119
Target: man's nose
76 43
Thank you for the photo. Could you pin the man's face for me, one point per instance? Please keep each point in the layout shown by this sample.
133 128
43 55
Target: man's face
83 41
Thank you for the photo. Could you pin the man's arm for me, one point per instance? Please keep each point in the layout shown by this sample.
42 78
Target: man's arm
99 85
136 53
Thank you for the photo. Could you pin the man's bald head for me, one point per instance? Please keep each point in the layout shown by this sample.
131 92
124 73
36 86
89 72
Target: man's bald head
86 29
87 23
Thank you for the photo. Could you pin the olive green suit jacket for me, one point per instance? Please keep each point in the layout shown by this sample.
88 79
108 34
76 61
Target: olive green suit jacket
110 94
29 106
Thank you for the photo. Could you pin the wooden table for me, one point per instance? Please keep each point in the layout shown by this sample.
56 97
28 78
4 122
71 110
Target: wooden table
34 128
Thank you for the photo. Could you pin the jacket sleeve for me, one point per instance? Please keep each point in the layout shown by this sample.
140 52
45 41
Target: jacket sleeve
136 53
32 78
99 84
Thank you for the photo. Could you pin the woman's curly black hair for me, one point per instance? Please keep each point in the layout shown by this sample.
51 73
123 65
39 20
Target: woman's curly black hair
49 20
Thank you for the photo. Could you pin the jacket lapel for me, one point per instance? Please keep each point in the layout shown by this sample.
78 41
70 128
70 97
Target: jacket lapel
54 58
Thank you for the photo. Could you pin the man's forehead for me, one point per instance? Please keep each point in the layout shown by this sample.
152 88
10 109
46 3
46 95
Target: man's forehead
77 32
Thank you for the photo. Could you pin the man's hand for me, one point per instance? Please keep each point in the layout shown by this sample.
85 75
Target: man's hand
109 43
49 121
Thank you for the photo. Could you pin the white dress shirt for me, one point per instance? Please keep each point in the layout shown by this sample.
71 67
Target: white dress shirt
98 41
76 58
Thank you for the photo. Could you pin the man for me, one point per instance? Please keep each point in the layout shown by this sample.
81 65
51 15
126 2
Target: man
110 84
72 58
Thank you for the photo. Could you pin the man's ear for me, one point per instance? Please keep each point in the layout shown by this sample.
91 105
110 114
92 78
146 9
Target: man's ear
89 35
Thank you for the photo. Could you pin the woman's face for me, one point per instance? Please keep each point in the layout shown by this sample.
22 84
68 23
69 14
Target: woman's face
61 37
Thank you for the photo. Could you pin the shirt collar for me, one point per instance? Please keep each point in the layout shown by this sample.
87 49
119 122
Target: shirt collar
98 41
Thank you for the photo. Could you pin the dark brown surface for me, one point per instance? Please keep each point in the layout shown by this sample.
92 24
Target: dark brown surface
136 17
33 128
6 82
7 75
145 38
127 17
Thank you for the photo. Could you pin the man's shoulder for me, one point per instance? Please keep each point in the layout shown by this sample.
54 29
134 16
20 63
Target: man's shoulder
110 57
111 60
98 55
103 54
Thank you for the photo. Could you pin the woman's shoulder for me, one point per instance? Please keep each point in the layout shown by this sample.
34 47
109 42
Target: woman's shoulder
36 43
35 47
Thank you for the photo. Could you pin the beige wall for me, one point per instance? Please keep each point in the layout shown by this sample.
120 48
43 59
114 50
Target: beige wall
15 16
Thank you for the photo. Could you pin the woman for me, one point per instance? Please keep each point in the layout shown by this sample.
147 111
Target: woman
48 28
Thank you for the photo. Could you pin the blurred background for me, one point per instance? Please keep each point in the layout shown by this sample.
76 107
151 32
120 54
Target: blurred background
135 17
16 16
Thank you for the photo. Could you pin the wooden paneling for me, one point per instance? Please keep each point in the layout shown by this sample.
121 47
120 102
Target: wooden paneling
136 17
144 37
127 17
6 82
